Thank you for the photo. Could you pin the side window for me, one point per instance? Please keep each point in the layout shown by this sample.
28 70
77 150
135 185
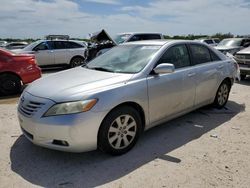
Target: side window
150 37
214 56
134 38
177 55
200 54
209 41
41 46
72 45
59 45
246 43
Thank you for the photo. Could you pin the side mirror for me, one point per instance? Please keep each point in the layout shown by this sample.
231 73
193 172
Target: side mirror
164 68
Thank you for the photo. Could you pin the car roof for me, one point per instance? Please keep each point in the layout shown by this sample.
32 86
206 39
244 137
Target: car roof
160 42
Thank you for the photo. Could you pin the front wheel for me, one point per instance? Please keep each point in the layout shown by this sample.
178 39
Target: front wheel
222 95
119 131
10 84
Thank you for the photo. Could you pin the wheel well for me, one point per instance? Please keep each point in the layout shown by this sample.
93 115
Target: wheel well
76 57
228 80
12 73
137 107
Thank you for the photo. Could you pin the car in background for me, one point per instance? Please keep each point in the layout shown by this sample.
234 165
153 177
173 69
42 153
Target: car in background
210 42
103 42
15 45
16 70
108 103
57 52
233 45
3 43
243 59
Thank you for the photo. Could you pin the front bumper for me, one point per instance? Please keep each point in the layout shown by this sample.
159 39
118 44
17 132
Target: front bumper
79 131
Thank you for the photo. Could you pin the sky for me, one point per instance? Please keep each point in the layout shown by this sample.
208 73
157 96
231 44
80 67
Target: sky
78 18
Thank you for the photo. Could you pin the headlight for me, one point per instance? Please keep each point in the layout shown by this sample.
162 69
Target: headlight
71 107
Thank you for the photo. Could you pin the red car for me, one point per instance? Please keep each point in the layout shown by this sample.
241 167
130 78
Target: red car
16 70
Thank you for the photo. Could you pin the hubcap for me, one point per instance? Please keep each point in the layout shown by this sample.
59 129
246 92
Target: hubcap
222 94
9 85
77 62
122 131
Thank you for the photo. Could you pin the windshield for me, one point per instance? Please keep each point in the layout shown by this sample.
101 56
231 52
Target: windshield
124 59
31 46
230 42
121 38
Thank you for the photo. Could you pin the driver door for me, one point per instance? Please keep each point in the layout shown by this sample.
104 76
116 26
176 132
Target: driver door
172 93
44 54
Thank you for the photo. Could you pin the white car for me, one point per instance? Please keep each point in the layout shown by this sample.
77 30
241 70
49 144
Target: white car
57 52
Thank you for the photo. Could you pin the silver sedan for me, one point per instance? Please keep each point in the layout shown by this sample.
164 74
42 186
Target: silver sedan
131 88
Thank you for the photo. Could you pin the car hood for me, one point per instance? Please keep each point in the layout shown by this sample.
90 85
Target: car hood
20 51
101 36
226 47
74 84
244 51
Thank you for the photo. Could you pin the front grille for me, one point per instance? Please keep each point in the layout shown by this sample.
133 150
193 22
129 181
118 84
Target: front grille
243 56
29 108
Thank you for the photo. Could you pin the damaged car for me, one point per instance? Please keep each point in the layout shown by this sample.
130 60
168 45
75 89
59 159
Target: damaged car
102 41
233 45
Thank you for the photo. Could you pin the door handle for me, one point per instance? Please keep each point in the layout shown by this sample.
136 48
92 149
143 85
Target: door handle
191 74
220 66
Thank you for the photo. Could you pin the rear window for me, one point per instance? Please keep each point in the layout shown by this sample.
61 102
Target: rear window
59 45
72 45
214 56
209 41
200 54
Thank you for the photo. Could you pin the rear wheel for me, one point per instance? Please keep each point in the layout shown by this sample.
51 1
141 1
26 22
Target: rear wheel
222 94
119 131
10 84
76 61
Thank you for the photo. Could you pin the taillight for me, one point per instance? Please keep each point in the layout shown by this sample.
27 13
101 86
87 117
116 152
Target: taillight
32 61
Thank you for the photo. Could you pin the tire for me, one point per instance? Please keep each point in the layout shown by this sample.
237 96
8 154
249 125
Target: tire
243 76
76 61
119 130
222 94
10 84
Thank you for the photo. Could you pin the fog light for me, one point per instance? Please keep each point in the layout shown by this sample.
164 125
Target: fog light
60 142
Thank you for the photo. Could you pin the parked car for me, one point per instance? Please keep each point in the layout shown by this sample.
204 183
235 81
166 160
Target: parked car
210 42
16 70
15 45
57 52
103 42
233 45
108 103
3 43
243 59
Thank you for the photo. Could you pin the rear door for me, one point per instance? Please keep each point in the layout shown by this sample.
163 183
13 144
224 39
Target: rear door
208 68
44 53
60 51
172 93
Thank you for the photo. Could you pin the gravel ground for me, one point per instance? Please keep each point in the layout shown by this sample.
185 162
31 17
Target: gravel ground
205 148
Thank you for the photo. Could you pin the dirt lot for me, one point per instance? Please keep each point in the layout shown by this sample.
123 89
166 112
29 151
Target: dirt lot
206 148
